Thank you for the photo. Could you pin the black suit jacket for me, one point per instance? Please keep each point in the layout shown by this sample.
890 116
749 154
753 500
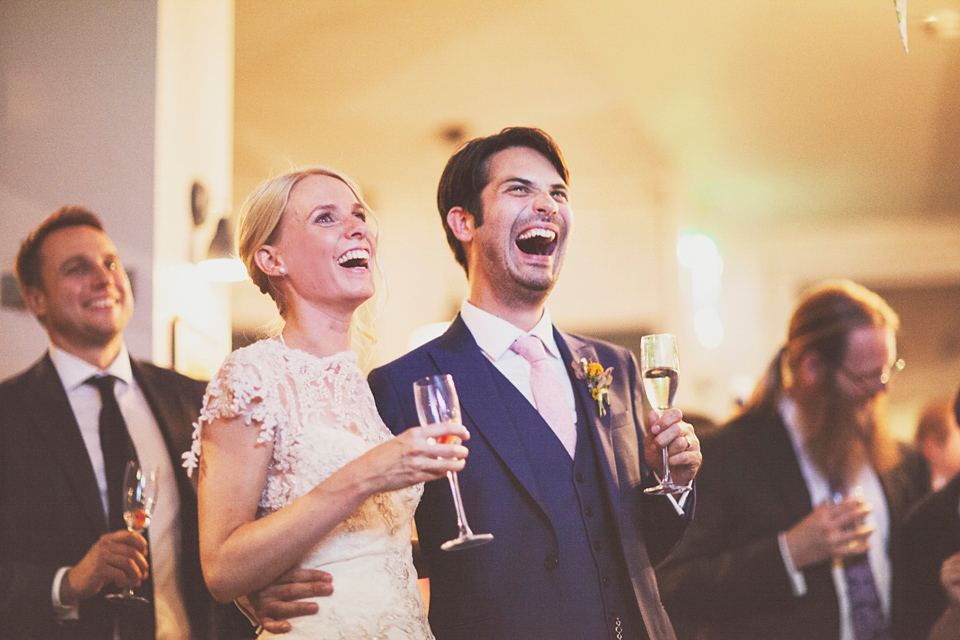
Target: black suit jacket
726 579
50 509
506 589
930 536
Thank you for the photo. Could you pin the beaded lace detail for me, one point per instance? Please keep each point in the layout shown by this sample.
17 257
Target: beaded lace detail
318 414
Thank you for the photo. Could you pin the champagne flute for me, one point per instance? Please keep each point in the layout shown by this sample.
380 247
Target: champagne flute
437 402
660 369
139 498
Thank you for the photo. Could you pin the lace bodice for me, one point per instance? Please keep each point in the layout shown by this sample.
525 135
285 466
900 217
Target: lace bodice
318 414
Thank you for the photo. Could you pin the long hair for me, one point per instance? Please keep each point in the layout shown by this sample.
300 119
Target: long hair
821 323
261 218
838 435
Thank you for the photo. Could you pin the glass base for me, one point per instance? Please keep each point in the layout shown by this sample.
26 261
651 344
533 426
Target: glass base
666 488
125 598
467 541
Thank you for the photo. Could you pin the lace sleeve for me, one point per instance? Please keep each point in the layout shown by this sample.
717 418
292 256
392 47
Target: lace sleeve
242 388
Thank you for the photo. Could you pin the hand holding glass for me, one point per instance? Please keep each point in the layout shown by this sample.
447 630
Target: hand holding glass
437 402
139 497
660 369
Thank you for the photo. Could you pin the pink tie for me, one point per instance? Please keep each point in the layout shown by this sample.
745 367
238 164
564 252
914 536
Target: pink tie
548 392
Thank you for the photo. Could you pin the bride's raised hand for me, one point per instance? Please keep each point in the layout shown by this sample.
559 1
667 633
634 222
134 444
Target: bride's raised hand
419 454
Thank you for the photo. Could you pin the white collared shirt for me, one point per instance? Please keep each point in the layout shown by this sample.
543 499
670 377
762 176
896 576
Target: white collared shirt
172 622
495 335
868 482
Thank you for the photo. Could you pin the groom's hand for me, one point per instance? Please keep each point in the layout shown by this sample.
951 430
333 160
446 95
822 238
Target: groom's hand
275 604
682 445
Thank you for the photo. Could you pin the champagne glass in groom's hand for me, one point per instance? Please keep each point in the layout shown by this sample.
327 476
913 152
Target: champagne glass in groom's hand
660 369
437 402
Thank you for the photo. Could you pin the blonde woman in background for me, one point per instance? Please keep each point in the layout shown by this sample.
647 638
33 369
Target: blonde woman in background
296 468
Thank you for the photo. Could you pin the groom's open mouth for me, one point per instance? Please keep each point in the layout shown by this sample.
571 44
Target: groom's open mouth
537 242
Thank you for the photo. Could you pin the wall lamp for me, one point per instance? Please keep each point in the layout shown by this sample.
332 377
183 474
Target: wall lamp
220 264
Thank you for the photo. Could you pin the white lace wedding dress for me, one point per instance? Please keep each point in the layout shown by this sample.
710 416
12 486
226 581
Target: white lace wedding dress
319 414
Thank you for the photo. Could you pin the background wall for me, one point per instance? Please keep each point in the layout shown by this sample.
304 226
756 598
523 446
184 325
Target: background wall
77 113
119 106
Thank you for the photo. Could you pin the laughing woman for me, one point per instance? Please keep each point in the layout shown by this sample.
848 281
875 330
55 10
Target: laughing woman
296 469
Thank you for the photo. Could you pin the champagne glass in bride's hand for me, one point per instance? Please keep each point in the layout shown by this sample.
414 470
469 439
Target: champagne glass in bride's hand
139 497
437 402
660 369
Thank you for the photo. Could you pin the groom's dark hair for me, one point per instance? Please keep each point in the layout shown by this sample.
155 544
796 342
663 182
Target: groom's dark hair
466 174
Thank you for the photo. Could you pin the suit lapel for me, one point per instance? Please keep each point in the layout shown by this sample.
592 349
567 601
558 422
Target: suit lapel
485 412
56 424
171 420
782 465
572 348
148 383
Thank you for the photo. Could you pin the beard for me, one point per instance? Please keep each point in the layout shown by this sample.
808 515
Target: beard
843 433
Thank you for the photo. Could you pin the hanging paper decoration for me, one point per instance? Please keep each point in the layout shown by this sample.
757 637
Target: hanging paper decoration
901 7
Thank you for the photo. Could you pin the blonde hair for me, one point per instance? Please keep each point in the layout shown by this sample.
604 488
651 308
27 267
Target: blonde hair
260 222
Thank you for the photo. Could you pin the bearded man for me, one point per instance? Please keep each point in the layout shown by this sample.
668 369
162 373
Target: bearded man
804 490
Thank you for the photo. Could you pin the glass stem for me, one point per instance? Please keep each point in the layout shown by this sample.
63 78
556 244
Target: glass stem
458 504
666 468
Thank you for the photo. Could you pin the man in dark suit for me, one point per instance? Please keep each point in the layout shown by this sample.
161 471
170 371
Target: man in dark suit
574 534
804 484
58 554
931 536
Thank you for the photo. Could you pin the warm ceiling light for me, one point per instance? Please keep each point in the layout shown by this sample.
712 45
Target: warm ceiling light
944 24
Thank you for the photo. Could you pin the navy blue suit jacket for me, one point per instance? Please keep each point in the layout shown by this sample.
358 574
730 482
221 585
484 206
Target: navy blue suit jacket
506 589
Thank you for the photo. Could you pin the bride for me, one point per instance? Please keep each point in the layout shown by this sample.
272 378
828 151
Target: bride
296 469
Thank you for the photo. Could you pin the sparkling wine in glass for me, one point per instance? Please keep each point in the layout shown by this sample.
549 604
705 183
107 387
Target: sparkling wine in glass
139 498
660 369
437 402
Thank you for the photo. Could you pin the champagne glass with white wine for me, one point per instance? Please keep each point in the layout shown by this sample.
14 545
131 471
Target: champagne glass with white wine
660 370
437 402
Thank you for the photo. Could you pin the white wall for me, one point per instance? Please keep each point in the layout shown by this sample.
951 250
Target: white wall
194 127
79 124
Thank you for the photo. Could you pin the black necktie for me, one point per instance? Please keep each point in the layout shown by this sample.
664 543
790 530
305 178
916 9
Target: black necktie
118 450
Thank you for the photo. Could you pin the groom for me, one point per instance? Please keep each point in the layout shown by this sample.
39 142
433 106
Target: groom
561 489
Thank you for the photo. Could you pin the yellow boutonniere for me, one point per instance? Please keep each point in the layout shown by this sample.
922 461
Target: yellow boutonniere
598 381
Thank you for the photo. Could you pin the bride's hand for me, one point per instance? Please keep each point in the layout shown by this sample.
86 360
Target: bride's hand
417 455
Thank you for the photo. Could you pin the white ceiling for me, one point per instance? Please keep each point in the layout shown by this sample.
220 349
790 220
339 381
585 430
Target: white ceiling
773 111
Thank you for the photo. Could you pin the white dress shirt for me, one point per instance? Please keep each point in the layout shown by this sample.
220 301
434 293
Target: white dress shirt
171 616
869 487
